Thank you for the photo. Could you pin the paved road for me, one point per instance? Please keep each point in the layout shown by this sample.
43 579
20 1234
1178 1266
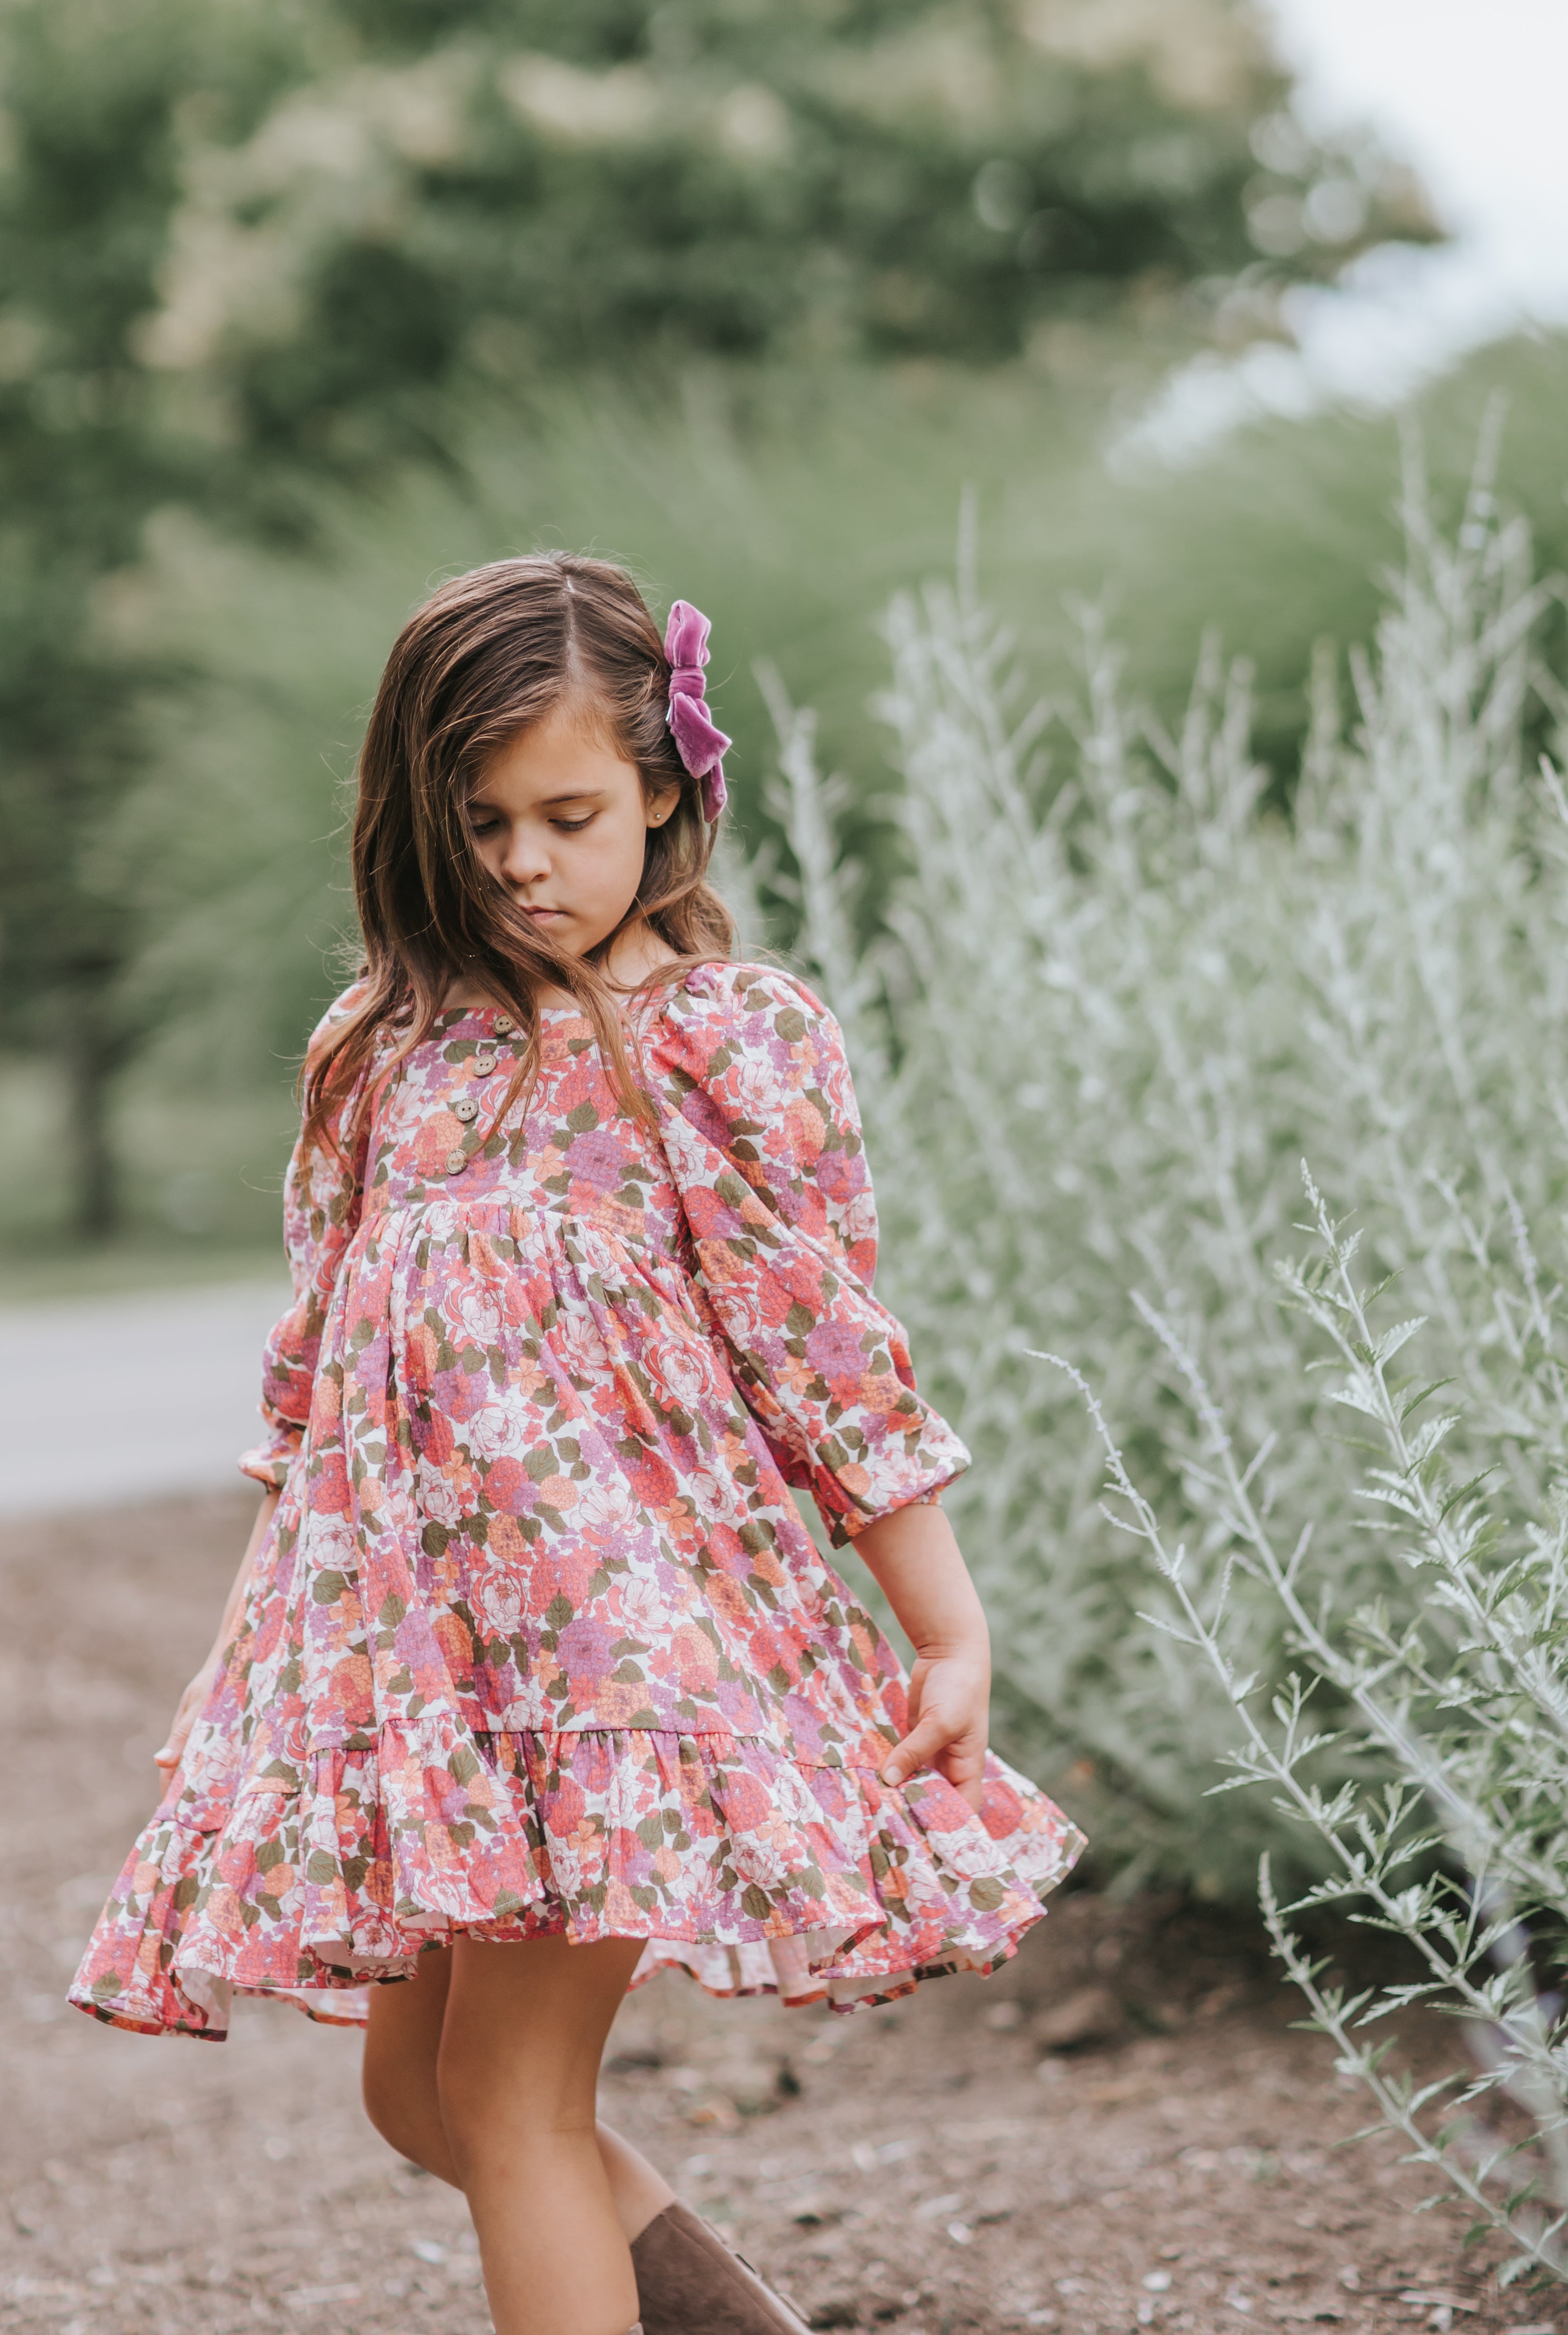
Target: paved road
106 1398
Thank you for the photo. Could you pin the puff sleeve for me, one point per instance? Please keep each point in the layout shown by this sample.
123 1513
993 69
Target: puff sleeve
763 1137
323 1200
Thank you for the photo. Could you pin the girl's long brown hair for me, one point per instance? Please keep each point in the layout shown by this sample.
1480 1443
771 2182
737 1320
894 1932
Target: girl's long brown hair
488 655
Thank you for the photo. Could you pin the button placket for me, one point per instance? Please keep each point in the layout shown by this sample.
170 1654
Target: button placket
484 1064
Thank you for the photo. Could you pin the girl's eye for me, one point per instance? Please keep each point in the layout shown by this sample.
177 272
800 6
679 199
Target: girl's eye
573 826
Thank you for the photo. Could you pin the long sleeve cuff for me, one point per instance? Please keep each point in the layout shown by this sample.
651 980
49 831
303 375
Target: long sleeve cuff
268 1463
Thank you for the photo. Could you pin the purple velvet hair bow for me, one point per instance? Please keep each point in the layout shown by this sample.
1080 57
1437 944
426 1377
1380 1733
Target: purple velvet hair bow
703 747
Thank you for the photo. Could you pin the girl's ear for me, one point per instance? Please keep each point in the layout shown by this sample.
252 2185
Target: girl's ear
661 804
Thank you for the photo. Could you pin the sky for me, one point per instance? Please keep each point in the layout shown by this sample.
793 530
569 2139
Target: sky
1471 93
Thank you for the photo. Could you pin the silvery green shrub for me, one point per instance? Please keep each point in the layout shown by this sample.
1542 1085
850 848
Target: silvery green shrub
1445 1826
1125 987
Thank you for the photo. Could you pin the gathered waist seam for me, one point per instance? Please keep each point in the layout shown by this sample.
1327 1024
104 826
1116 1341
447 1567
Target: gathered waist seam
619 1227
359 1742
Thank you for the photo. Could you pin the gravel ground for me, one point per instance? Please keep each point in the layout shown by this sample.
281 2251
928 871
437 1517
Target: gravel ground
934 2168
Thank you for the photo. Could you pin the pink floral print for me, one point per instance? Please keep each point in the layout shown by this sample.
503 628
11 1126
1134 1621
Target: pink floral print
538 1642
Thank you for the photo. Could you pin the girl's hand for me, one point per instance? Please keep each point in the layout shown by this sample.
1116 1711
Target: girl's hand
949 1712
170 1754
914 1556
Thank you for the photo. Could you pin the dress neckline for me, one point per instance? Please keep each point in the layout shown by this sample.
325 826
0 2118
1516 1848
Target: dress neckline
491 1012
455 1014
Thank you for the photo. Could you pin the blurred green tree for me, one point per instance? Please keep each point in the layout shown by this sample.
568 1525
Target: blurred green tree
249 248
524 184
91 442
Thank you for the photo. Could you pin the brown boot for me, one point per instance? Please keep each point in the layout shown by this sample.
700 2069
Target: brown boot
690 2283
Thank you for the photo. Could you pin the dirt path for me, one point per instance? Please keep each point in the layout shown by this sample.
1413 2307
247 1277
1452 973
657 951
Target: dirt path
924 2168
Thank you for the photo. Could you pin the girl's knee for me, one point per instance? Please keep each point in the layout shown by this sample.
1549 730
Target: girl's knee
472 2089
388 2105
402 2102
483 2095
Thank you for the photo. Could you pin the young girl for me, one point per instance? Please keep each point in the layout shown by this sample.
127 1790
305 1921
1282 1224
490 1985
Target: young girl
532 1683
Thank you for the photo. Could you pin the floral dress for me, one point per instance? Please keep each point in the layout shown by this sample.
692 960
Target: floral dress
538 1642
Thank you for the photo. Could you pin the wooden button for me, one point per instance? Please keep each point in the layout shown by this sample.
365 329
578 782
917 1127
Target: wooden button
456 1160
466 1109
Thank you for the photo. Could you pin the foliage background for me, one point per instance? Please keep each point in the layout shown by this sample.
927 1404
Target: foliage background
265 270
1096 1060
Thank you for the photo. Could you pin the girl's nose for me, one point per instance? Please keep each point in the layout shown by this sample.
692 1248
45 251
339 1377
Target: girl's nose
526 859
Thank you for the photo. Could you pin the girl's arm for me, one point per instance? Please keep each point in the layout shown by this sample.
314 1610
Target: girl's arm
917 1563
763 1141
170 1753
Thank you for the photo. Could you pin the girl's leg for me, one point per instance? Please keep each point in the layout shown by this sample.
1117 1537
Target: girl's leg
641 2195
689 2283
401 2100
398 2073
521 2040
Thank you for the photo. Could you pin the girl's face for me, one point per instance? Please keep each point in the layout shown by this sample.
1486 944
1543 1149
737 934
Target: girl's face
561 821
